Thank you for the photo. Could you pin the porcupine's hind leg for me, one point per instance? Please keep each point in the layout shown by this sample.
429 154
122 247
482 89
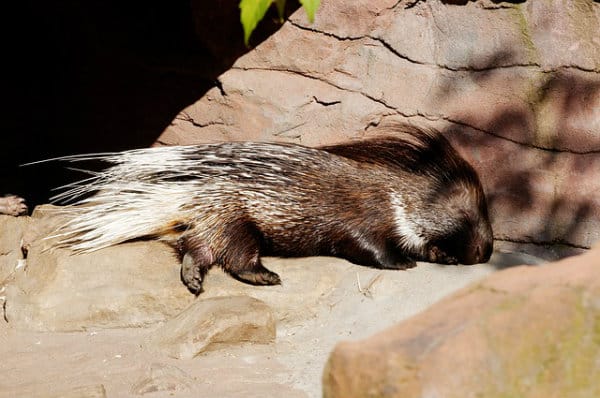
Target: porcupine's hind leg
196 260
241 257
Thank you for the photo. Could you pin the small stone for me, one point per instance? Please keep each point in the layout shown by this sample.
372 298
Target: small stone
220 320
162 377
96 391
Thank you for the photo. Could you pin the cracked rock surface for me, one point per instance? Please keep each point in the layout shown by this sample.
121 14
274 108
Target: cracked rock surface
515 86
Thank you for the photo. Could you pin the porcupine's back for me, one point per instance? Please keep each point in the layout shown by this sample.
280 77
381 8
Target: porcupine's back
162 191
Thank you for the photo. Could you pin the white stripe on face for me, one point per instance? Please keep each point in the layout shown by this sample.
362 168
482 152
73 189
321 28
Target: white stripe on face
404 226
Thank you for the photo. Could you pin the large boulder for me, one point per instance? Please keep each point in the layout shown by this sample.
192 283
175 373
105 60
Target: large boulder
130 285
514 85
521 332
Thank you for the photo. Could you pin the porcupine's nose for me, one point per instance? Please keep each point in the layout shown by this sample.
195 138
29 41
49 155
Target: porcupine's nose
487 253
483 252
478 252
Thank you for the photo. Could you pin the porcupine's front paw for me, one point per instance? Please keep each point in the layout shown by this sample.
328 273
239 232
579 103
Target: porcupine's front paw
436 255
191 274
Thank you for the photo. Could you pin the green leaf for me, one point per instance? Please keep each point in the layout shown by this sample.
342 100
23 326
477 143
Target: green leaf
311 7
251 12
280 9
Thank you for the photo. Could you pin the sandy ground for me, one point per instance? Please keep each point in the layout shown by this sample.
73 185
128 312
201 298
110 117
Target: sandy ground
51 364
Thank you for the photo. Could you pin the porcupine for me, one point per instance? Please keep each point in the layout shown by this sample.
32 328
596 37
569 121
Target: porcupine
385 202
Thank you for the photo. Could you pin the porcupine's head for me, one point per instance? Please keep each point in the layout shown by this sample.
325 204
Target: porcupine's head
448 225
438 206
443 216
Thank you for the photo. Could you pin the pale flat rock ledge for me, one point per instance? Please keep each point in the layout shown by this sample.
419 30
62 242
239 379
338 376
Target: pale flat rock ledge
522 332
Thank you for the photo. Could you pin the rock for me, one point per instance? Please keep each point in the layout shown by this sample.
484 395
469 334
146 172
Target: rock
96 391
216 321
305 283
525 331
11 234
322 301
130 285
516 87
12 205
44 220
161 377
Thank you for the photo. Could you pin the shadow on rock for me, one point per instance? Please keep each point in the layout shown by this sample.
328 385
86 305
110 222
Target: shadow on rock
537 154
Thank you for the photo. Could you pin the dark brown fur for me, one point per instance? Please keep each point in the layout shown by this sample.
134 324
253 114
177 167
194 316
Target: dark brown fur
363 209
452 172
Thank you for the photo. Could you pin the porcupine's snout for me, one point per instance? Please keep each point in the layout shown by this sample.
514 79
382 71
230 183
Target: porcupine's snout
469 241
478 244
479 251
458 250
